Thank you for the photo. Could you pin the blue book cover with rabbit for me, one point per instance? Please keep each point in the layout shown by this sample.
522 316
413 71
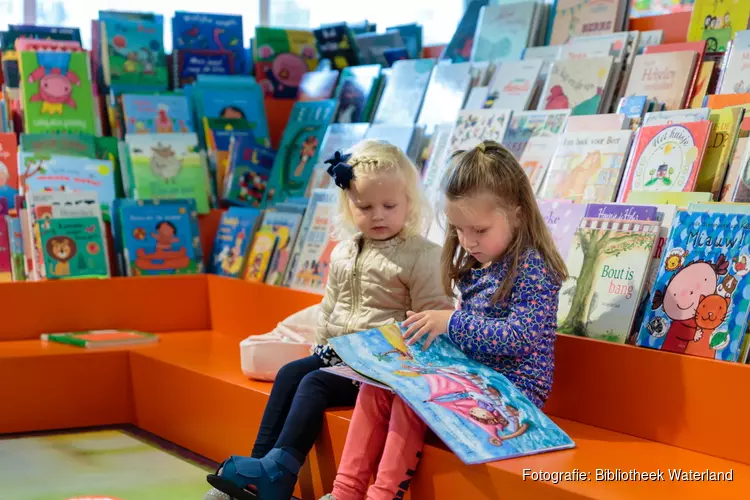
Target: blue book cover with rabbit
193 30
700 300
474 409
158 237
298 152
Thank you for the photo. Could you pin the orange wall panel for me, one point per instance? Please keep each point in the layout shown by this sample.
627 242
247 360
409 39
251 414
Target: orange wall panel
242 309
675 26
665 397
62 387
154 304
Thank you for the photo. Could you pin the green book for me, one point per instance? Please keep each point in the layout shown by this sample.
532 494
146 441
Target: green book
101 338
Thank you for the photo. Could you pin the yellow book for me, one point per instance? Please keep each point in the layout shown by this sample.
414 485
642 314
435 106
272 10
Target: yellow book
719 150
716 22
701 85
681 199
262 250
718 206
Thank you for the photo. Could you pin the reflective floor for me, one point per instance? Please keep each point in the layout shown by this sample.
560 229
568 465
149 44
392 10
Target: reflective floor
117 464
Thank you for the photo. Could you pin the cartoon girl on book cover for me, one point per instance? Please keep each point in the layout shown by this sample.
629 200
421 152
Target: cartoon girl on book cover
471 398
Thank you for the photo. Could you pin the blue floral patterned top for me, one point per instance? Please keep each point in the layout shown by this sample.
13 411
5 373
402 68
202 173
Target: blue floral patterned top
517 336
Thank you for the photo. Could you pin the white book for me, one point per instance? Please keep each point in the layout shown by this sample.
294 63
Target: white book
514 84
503 31
446 93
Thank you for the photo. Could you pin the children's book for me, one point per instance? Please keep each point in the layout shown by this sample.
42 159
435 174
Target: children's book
474 126
158 237
459 48
504 31
336 43
581 17
403 94
699 305
233 237
101 338
667 158
133 54
189 64
587 167
69 173
562 218
607 263
168 166
264 245
156 114
666 77
339 137
317 196
577 84
514 84
73 247
286 226
446 93
313 261
9 178
15 237
525 125
248 172
475 410
6 254
716 22
357 93
679 199
216 32
220 133
665 215
281 57
298 152
56 92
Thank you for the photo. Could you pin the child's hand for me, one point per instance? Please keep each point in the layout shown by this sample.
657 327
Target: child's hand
430 323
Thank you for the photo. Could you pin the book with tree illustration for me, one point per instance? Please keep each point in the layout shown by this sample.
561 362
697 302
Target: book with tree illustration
298 152
607 262
73 247
699 304
475 410
587 166
69 173
157 237
667 158
56 92
168 166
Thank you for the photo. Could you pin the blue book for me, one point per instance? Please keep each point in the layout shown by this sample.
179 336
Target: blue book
233 239
700 300
477 412
193 30
157 237
248 173
298 152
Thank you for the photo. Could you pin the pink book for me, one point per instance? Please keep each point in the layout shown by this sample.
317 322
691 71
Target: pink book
562 218
32 44
5 257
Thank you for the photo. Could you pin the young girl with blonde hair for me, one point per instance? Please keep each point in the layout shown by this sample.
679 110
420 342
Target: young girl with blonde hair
381 269
500 255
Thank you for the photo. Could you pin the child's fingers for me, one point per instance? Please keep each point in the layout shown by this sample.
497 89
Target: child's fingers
430 338
414 323
410 313
424 330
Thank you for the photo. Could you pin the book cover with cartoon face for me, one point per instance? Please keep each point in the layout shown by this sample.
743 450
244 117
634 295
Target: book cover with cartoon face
73 248
56 92
699 303
159 237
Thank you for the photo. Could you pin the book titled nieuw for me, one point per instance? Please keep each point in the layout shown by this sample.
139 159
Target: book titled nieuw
474 409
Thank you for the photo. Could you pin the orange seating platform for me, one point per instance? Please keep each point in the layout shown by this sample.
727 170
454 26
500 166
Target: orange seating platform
626 408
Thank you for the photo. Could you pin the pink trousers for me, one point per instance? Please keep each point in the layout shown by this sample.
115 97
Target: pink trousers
385 438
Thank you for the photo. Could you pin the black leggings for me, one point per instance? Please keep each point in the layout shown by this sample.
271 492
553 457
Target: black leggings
294 414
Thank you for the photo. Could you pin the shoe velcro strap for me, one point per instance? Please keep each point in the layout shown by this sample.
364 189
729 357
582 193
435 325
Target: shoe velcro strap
284 459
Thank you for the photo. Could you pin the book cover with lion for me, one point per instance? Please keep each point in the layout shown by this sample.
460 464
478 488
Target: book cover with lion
73 248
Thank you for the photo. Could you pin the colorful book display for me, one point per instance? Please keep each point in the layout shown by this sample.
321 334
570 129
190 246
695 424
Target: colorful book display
475 410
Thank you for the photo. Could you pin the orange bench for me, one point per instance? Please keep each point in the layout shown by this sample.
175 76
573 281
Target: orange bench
626 408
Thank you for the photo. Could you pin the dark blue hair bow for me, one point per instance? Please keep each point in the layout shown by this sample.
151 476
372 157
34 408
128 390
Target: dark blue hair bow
342 172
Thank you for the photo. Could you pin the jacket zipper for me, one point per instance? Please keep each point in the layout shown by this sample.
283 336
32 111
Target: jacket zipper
356 280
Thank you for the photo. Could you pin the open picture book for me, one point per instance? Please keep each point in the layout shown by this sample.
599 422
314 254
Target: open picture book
478 413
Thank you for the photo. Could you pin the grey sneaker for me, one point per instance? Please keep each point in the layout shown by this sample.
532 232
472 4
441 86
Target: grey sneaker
328 497
215 494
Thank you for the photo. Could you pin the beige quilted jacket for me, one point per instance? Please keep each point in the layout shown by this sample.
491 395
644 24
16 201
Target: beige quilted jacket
373 283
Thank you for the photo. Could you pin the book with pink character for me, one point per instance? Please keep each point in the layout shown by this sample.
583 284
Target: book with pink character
474 409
